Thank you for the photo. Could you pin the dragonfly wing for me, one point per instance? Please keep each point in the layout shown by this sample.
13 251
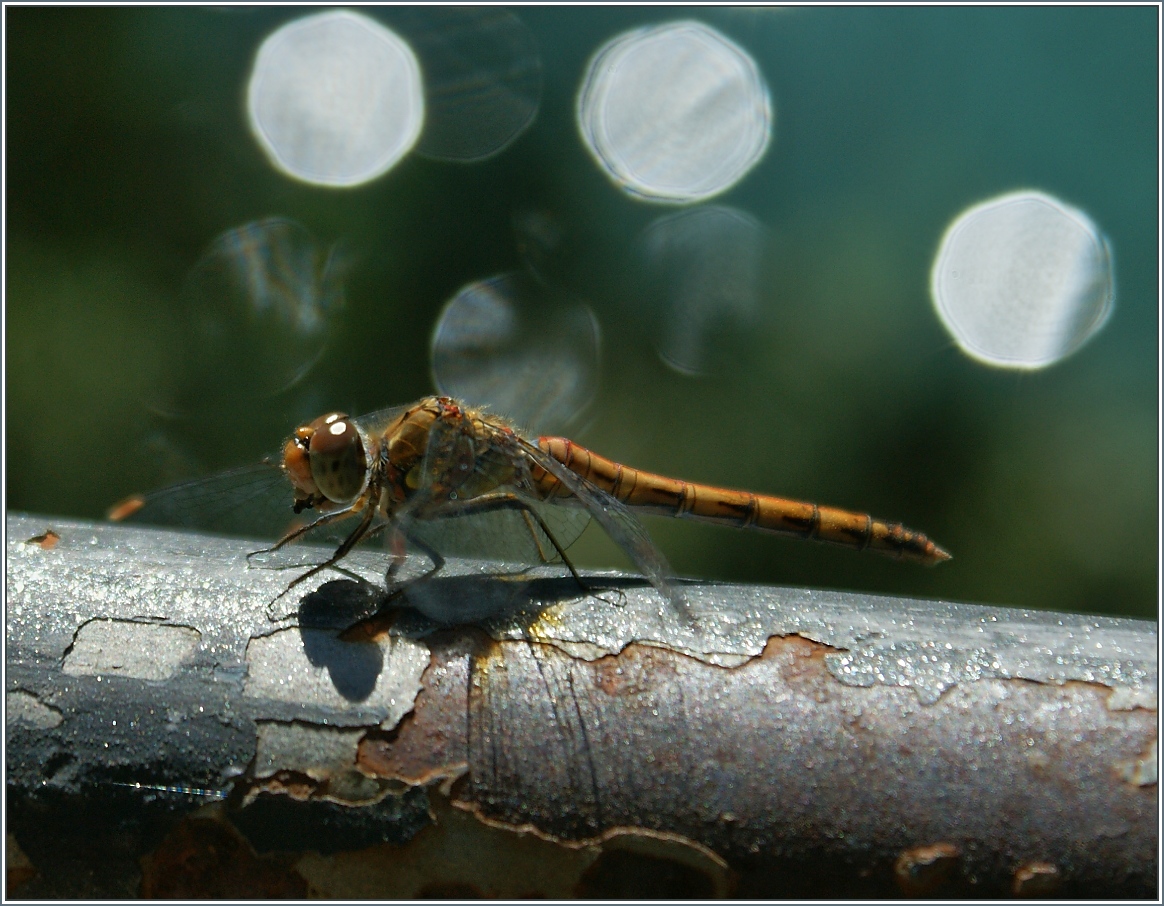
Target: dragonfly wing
375 423
252 501
618 522
502 534
459 470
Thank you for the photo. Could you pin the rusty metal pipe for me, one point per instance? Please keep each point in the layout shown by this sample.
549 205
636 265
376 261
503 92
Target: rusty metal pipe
790 743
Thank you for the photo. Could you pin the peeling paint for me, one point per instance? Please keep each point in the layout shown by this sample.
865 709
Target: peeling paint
1036 879
928 646
313 666
147 651
22 706
317 751
1128 698
459 855
346 786
923 870
46 540
312 761
928 668
1141 771
591 719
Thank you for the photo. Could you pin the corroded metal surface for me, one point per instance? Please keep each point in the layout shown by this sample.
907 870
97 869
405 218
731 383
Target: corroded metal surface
783 743
799 782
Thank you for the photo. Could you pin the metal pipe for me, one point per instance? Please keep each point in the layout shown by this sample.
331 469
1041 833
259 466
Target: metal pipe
511 736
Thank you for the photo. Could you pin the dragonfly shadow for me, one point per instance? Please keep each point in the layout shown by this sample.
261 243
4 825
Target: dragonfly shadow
354 666
328 615
517 599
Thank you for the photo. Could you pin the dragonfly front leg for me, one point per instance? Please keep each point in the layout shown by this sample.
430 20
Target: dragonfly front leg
340 552
295 534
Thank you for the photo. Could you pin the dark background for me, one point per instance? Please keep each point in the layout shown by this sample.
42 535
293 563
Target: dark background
127 153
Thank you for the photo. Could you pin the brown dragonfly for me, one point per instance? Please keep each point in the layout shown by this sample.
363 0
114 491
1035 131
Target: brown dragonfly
452 479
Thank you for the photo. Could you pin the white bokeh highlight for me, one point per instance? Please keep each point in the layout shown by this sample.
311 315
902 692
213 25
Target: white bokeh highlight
703 267
1022 280
510 343
335 99
674 113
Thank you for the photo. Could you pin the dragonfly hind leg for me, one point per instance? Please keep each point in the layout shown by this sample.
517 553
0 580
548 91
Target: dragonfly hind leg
504 500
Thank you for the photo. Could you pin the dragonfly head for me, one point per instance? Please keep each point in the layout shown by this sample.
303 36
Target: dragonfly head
326 461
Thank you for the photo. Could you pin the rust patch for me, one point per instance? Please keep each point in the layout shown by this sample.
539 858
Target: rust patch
463 856
204 857
1141 771
1035 879
639 666
46 540
635 670
18 869
570 749
431 741
800 658
925 869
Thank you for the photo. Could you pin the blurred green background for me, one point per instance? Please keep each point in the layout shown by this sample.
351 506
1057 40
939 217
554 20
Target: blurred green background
128 152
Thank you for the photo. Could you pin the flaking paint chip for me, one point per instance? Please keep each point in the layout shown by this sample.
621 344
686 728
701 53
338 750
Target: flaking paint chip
31 710
147 651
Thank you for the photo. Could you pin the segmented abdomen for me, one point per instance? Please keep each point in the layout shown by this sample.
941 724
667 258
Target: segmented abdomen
659 495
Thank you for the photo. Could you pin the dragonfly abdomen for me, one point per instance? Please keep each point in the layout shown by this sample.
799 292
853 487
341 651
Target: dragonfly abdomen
663 496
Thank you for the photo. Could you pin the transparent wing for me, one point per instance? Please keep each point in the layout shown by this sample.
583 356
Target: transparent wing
474 500
502 534
375 423
618 522
252 501
512 345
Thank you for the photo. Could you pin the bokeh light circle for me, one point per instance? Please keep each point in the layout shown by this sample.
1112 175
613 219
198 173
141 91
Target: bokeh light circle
482 77
335 99
1022 280
526 352
256 314
703 267
674 113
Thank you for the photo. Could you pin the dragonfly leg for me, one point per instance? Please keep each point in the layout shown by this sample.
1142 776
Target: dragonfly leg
438 562
295 534
399 553
504 500
340 552
380 623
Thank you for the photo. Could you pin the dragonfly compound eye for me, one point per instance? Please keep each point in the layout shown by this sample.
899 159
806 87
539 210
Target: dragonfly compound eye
338 465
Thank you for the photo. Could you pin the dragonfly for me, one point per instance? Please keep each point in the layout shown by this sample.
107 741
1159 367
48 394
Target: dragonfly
454 479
